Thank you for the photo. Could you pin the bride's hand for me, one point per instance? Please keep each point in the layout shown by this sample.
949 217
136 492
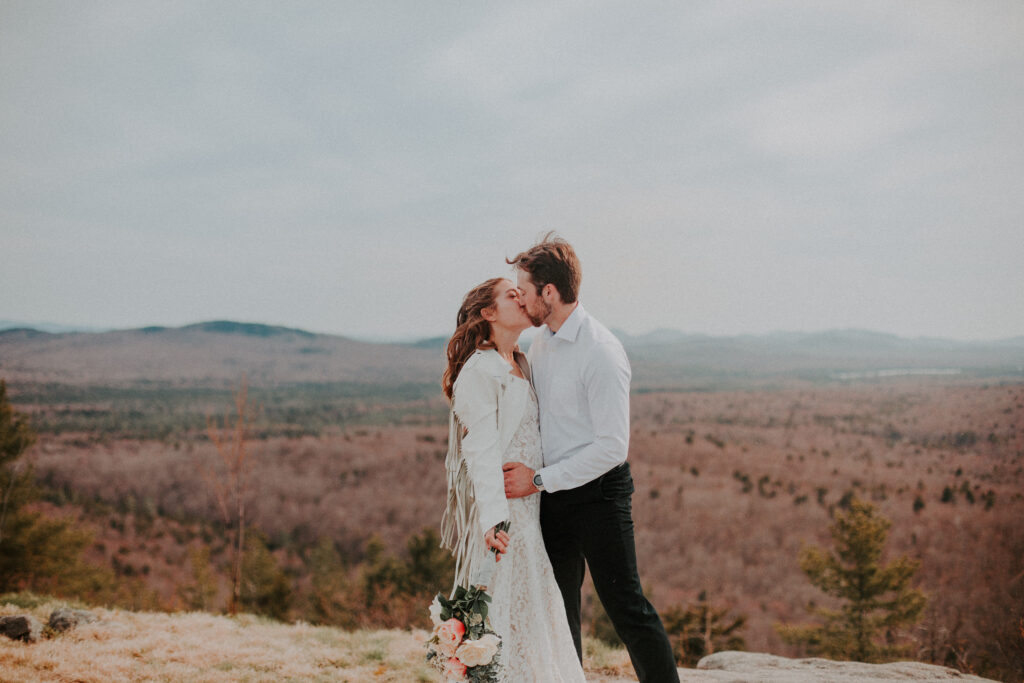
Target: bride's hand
497 542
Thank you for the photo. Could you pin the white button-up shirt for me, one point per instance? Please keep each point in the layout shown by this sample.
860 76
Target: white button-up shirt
581 375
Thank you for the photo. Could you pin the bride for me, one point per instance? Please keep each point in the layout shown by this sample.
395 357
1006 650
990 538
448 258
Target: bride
494 421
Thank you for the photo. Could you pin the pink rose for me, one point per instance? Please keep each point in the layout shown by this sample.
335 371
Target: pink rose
455 668
449 635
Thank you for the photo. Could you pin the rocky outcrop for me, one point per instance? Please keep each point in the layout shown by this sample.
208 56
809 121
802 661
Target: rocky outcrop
21 627
29 629
751 667
63 619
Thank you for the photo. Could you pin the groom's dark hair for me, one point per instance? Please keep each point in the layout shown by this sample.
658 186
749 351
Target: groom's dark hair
551 261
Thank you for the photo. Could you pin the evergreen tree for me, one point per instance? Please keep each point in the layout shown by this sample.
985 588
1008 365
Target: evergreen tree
265 589
394 591
37 553
329 601
430 567
877 599
201 591
383 574
16 487
702 629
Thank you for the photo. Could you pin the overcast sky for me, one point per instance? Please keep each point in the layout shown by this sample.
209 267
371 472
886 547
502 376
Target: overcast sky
354 168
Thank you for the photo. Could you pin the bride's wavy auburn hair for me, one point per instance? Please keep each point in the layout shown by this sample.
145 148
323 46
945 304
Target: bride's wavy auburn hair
472 332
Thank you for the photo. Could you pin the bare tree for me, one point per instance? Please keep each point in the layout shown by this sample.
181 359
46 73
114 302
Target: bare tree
230 482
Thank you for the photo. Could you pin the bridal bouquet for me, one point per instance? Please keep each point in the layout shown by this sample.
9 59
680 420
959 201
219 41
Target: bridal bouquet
462 646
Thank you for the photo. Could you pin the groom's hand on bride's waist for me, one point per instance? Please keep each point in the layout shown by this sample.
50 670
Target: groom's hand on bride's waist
518 480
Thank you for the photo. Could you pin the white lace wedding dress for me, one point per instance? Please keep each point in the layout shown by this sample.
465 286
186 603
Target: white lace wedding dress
527 609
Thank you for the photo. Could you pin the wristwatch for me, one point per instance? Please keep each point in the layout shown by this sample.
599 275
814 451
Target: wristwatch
538 482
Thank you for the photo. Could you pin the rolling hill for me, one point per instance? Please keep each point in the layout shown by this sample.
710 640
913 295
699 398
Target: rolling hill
216 353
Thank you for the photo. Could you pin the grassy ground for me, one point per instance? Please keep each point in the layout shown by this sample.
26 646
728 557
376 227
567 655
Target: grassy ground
140 646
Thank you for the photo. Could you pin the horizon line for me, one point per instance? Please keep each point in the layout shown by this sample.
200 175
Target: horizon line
61 328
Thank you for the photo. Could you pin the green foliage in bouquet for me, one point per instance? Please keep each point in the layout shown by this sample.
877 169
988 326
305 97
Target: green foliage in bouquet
461 624
463 646
468 605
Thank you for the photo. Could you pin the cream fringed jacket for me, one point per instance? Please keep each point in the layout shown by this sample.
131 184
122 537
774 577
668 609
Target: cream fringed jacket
487 407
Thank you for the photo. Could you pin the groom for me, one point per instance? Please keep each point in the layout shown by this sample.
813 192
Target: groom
581 375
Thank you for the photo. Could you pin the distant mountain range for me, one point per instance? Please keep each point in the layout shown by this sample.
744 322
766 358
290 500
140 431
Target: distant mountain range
668 358
861 338
218 352
214 353
46 327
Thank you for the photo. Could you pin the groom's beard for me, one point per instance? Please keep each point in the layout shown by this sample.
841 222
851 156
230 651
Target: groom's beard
538 316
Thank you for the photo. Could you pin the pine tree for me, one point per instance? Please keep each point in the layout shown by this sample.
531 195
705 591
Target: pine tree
37 553
702 629
877 599
265 588
16 487
201 591
430 566
329 600
392 591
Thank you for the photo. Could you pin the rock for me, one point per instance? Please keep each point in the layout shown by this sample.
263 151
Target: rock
21 627
742 667
63 619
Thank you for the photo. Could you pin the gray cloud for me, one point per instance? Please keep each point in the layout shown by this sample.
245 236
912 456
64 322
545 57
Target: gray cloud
721 167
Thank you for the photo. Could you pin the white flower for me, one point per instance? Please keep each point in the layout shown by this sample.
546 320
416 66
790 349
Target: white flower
435 612
478 652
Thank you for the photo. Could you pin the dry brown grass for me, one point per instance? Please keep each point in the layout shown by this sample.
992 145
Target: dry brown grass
129 646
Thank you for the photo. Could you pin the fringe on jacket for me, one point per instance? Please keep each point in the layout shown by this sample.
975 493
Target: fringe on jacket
461 515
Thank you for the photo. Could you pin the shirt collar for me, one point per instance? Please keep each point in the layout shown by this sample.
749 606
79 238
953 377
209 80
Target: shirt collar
570 329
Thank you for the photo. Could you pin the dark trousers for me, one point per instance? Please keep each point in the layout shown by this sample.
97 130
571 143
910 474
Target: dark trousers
592 526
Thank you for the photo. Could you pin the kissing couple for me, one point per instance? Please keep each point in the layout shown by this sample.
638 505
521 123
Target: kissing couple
540 442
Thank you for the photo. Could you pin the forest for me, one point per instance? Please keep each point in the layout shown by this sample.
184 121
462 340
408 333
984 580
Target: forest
343 487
